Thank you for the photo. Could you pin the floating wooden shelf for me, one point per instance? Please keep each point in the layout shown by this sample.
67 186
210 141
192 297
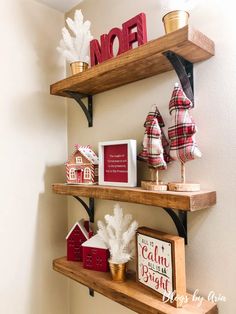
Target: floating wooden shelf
185 201
139 63
183 48
130 293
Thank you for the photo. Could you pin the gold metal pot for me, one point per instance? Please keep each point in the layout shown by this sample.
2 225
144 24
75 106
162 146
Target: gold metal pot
118 271
175 20
78 67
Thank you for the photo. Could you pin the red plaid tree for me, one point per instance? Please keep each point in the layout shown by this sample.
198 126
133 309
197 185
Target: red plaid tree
155 149
183 145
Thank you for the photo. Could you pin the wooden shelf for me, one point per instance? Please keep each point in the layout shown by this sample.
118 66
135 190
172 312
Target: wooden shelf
185 201
130 293
139 63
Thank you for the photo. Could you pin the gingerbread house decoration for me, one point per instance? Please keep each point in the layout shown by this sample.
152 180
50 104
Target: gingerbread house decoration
78 234
82 166
95 254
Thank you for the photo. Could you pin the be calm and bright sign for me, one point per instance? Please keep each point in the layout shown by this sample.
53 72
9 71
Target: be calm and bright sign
161 264
155 264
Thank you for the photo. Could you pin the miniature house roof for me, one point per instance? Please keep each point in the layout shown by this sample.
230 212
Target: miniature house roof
80 224
87 152
95 242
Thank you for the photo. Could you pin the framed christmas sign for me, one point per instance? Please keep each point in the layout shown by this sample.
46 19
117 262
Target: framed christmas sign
117 163
161 264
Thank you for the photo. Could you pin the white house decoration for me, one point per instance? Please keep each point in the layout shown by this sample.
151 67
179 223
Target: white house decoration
82 166
95 254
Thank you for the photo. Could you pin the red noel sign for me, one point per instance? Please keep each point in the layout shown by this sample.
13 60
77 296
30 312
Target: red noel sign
126 36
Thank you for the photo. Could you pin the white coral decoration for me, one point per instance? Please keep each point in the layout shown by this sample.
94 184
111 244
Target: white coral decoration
118 235
76 48
171 5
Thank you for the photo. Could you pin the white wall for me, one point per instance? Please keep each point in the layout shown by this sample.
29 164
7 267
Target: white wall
120 113
33 149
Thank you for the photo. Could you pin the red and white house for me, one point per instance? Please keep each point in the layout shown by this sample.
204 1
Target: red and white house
95 254
82 166
78 234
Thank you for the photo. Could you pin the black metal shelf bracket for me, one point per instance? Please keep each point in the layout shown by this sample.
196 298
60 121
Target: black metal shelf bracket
184 70
180 221
91 292
88 111
89 208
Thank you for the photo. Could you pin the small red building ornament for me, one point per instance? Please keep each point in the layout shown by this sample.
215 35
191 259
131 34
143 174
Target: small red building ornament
78 234
82 166
99 52
95 254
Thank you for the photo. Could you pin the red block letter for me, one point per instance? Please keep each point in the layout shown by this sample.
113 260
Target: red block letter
115 32
139 21
98 53
95 52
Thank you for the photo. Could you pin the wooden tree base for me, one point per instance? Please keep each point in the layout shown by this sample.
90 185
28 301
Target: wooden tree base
153 186
183 187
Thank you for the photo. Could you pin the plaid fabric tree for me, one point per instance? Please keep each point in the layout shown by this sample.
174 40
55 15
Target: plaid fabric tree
183 145
155 149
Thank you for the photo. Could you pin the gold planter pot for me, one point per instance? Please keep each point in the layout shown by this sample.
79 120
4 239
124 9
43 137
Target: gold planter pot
118 271
78 67
175 20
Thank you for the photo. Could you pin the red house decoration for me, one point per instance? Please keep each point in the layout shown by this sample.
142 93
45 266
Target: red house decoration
82 166
95 254
78 234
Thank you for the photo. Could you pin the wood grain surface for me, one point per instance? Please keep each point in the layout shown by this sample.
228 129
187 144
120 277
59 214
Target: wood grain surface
187 201
130 293
139 63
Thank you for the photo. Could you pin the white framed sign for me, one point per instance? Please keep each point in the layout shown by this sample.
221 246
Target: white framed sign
118 163
161 264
